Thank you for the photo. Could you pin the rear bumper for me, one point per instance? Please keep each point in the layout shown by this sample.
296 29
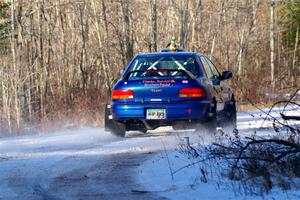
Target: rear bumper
180 111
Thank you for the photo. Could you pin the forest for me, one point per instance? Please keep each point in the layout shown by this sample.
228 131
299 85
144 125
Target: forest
60 58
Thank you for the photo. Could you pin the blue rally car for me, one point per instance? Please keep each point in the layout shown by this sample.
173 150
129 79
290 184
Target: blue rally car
179 89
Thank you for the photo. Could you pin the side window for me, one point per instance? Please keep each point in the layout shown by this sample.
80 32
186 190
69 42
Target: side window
206 67
213 68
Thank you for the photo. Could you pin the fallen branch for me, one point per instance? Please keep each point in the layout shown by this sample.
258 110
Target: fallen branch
286 117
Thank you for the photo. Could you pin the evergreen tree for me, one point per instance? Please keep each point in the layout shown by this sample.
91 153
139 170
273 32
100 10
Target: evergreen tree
4 26
289 18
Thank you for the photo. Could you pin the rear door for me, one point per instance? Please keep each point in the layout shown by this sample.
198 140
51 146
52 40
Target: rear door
224 88
213 81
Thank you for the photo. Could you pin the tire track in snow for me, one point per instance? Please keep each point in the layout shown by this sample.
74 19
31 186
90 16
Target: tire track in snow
108 178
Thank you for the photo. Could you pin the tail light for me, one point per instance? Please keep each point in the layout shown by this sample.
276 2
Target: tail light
122 94
191 92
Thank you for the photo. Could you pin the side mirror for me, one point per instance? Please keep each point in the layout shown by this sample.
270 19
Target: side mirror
226 75
216 80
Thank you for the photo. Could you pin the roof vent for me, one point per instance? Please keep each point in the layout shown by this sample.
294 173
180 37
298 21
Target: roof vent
168 50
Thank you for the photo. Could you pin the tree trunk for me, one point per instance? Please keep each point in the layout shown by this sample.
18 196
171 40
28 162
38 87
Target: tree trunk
196 13
184 23
294 67
128 41
272 41
101 48
246 33
217 30
153 26
41 58
14 79
240 53
82 65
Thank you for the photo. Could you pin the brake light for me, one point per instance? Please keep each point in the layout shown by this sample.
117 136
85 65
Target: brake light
191 92
122 94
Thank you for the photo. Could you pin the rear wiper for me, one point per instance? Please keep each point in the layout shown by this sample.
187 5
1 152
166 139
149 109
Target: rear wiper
187 74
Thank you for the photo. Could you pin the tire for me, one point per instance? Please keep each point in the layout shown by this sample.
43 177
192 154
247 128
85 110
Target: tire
230 123
210 125
116 128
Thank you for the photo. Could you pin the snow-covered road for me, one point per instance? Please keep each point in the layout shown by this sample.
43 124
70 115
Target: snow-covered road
82 164
88 163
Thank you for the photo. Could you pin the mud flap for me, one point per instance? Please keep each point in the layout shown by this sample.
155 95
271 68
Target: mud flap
229 122
209 126
116 128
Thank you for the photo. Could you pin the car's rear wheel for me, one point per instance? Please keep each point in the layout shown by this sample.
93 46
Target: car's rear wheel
229 124
116 128
210 125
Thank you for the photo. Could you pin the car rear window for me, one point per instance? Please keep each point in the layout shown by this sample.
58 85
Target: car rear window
150 67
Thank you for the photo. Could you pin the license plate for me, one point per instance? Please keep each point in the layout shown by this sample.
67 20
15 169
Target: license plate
156 114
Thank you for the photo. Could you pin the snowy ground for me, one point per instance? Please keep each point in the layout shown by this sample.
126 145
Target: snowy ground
157 174
188 183
92 164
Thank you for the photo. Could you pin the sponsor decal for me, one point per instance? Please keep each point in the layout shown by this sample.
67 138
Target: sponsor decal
161 83
156 90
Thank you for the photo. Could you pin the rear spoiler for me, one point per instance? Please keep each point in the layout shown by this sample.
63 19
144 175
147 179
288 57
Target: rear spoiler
188 74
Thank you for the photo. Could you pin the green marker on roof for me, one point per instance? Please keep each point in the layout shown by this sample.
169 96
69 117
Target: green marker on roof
172 46
173 39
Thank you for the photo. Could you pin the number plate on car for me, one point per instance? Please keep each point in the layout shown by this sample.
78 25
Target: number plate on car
156 114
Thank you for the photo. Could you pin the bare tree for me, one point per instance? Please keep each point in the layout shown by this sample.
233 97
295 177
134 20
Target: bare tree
245 35
128 41
272 43
294 67
153 26
61 58
184 13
